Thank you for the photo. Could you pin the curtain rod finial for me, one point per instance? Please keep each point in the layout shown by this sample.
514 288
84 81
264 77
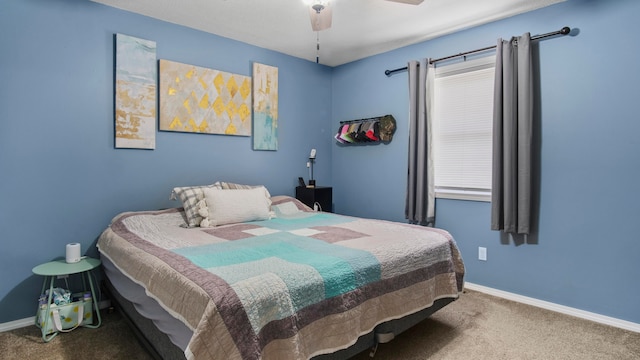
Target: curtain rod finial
565 30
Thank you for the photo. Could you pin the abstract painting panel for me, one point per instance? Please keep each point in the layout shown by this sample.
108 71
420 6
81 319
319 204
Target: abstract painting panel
265 107
135 93
201 100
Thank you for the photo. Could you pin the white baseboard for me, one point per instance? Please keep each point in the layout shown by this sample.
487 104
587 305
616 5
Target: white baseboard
20 323
623 324
17 324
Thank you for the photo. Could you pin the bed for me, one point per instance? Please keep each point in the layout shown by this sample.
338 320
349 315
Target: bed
295 284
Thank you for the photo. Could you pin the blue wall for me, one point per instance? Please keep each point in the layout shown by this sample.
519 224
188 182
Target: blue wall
586 252
62 178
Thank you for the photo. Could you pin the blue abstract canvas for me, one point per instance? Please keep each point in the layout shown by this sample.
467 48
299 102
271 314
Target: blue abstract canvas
265 107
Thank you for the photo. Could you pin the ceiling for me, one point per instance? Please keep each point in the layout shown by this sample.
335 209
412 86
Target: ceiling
360 28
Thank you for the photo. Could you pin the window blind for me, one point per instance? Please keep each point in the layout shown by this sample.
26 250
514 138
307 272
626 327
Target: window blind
462 129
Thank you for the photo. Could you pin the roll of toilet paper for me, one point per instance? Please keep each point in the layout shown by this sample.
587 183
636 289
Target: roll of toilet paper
73 253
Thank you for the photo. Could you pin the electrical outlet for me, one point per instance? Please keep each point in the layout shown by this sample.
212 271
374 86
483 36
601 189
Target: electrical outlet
482 253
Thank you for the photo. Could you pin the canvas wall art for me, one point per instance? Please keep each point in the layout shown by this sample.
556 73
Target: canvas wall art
265 107
200 100
135 93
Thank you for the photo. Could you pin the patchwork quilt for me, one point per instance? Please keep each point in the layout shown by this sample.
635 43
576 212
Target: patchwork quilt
289 287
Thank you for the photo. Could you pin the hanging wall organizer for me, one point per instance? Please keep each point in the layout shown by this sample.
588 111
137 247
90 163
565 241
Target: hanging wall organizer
367 131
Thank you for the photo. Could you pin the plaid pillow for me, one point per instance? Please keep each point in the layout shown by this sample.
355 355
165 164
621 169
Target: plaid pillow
190 195
232 186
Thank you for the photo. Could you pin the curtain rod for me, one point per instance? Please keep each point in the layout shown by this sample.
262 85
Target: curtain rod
564 31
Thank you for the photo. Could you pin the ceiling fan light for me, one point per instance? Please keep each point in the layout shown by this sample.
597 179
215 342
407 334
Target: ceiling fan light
320 14
317 7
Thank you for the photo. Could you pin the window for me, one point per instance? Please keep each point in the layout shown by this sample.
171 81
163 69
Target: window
462 129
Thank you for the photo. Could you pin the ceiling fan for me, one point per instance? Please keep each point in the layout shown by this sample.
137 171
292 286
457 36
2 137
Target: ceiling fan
320 12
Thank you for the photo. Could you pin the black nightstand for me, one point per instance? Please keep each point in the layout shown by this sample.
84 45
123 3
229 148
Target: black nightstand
323 195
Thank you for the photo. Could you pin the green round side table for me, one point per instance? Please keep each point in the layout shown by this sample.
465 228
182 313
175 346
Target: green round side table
58 268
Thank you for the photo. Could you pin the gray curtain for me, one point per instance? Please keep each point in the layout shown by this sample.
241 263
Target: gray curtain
512 137
420 201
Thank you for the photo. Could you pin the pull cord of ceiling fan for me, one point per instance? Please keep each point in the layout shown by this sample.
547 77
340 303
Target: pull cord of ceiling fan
317 47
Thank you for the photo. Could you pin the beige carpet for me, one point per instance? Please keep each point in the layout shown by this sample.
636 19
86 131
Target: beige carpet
477 326
112 340
480 326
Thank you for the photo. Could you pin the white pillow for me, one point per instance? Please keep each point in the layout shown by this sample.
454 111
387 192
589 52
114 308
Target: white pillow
236 206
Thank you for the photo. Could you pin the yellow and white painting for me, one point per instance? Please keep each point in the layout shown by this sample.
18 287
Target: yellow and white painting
265 107
200 100
135 98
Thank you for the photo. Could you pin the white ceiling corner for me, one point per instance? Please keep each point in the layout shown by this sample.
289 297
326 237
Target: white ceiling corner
360 28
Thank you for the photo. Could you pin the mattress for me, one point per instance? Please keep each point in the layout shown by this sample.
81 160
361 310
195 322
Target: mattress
295 287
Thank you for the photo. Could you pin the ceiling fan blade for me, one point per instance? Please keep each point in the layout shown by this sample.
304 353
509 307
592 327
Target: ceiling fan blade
320 20
411 2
